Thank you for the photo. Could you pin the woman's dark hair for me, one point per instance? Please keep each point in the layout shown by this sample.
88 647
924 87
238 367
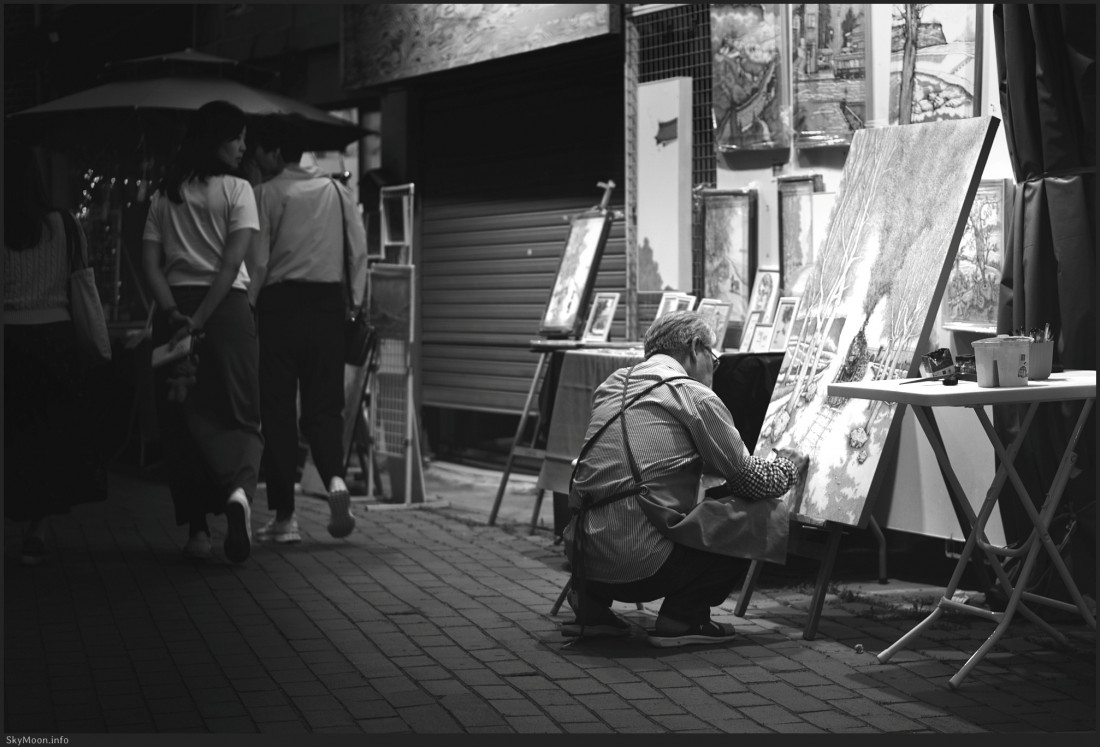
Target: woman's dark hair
212 125
26 203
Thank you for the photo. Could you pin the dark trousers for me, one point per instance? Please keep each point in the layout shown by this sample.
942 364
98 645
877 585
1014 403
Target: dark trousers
212 441
301 355
690 582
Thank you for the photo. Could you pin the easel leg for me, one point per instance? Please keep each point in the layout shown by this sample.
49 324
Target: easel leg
822 588
746 588
543 358
535 513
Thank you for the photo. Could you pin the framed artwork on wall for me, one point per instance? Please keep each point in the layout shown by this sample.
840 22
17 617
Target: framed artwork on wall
716 313
576 274
971 297
728 218
933 70
785 311
765 292
598 327
751 92
829 59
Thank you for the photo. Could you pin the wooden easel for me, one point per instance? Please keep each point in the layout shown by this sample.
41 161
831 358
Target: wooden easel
525 444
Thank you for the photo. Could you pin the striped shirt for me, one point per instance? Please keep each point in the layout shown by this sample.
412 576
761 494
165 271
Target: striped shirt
678 432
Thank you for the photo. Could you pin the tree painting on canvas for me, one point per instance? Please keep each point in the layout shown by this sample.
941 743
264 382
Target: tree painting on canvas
970 301
869 303
932 53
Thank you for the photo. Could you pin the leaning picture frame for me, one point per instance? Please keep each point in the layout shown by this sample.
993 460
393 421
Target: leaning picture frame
576 275
765 291
716 313
600 316
747 331
674 301
785 311
761 338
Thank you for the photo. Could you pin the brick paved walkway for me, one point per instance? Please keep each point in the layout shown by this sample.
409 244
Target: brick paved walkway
429 621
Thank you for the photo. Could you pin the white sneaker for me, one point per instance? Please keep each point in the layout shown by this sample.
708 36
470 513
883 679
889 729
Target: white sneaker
280 531
238 537
198 547
341 522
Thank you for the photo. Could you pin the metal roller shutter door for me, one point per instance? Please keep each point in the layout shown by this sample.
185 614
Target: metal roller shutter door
505 158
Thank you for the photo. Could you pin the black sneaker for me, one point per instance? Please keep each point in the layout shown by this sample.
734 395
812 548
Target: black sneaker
705 633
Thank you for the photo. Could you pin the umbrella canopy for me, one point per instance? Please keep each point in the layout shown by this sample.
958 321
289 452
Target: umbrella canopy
119 104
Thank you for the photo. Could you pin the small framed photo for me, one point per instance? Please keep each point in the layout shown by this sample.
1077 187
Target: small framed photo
674 301
600 315
765 291
748 330
761 338
717 314
785 312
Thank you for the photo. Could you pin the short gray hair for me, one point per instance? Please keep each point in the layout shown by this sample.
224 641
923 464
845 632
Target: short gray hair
675 333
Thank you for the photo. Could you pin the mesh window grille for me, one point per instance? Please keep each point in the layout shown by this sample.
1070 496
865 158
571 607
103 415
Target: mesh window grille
675 42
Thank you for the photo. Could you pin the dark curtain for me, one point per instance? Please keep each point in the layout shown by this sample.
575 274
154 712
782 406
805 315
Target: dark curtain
1046 57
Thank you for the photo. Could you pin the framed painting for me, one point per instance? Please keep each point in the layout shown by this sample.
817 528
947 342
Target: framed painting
600 316
970 299
765 291
800 228
747 331
829 60
785 311
716 313
761 339
728 218
674 301
576 275
933 53
869 305
751 93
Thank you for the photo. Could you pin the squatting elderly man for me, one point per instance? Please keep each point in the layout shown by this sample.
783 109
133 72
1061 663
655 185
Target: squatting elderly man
639 530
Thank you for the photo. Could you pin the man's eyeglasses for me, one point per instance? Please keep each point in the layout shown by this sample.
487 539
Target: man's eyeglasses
714 359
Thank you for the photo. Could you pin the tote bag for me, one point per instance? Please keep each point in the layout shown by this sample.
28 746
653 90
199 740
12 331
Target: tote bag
92 341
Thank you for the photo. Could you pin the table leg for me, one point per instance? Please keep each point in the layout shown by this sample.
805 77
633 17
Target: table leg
973 533
1041 519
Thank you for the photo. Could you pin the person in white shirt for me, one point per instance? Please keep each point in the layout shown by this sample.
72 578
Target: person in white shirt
200 223
298 268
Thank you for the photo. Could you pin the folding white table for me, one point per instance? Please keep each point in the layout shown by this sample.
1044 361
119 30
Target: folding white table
923 396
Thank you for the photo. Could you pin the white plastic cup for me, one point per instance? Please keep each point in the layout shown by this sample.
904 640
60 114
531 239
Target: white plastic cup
1002 361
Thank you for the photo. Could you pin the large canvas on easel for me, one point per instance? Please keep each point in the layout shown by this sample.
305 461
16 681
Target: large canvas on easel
869 304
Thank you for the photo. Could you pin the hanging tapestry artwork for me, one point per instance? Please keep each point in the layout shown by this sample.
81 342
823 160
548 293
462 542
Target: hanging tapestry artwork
869 302
752 108
830 65
932 53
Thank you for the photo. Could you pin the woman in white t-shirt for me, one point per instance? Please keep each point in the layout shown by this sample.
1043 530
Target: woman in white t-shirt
200 224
